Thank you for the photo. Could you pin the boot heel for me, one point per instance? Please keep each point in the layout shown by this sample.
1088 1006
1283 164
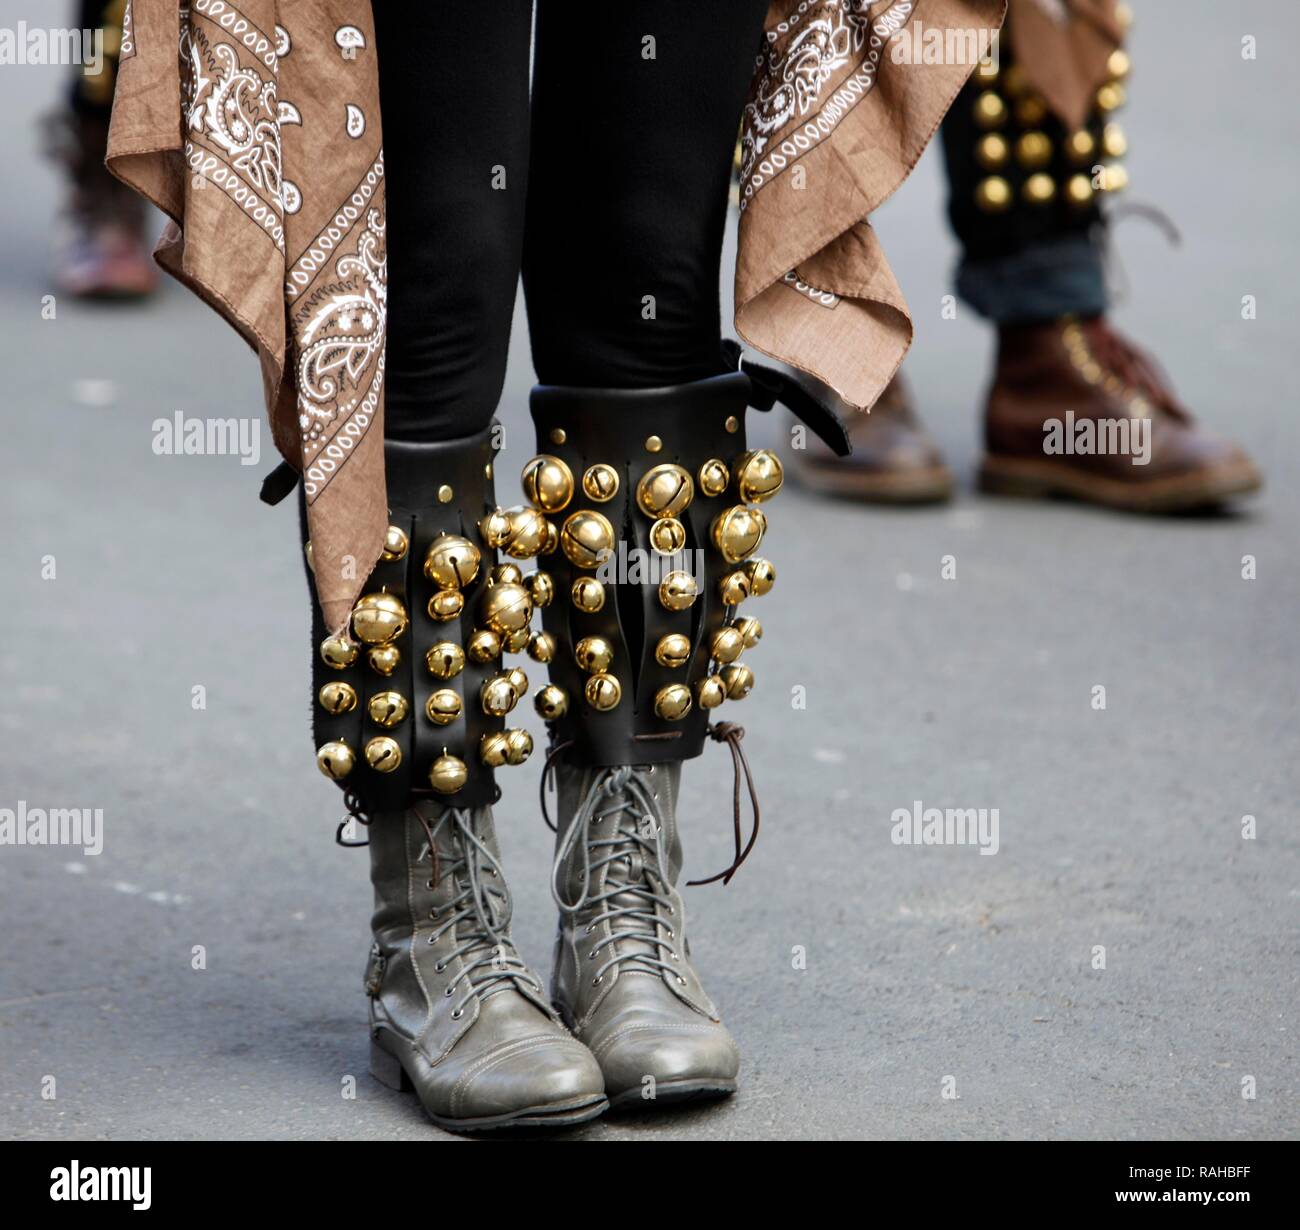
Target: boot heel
387 1069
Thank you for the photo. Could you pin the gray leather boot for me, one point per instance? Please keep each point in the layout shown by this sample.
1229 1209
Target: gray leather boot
454 1011
623 979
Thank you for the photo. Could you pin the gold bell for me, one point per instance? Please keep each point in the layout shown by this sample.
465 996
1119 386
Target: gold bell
728 645
738 679
495 527
518 681
383 755
668 536
710 692
673 650
519 745
1114 179
1080 146
384 659
548 483
517 641
665 490
990 110
443 706
541 589
586 538
678 590
507 608
1030 111
758 475
387 709
483 646
1114 143
541 647
1039 189
311 560
379 618
751 631
600 483
734 588
498 696
1111 97
991 151
396 544
593 654
762 576
446 604
551 702
673 702
552 539
603 692
448 774
993 195
445 660
336 760
588 594
1119 65
737 532
714 477
1034 150
337 698
1078 190
510 573
527 534
493 749
338 653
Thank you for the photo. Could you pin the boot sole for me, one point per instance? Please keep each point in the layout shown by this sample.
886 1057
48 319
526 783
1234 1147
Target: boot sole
1180 493
389 1071
673 1093
930 486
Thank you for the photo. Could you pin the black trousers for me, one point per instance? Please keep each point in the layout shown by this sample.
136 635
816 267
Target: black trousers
607 188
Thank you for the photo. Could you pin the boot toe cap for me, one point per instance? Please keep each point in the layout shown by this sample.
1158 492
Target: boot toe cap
651 1059
542 1073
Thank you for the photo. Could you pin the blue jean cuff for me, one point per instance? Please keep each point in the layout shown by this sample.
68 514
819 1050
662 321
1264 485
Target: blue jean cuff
1062 277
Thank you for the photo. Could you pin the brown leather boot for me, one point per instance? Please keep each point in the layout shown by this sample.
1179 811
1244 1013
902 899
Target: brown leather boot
894 461
1076 410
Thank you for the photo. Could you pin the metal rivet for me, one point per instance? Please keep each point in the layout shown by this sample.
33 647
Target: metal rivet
732 424
558 435
653 444
487 470
444 494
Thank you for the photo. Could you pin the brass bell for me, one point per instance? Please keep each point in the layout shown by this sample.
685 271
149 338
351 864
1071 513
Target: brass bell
992 151
446 604
603 692
552 539
1078 190
665 490
493 748
1039 189
1111 97
1119 65
311 561
751 631
588 594
384 659
379 618
551 702
483 646
714 477
1080 146
593 654
541 647
448 774
387 709
383 755
336 760
519 745
495 527
527 534
762 576
758 475
498 696
737 532
993 195
1114 143
668 536
678 590
443 706
673 702
734 588
507 573
337 698
727 646
1034 150
548 483
507 607
445 660
738 679
710 692
673 650
541 589
586 538
338 653
396 544
452 561
600 483
517 641
990 110
1114 179
1030 111
518 681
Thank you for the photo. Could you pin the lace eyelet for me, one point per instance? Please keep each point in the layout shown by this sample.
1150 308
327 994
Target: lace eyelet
430 939
437 969
681 980
447 991
597 980
591 956
457 1014
429 885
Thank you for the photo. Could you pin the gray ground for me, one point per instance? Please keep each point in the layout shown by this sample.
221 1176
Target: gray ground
1119 828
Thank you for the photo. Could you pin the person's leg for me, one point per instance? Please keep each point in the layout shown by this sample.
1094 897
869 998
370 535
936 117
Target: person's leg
640 437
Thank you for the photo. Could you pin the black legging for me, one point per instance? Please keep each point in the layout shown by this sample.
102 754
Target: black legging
615 214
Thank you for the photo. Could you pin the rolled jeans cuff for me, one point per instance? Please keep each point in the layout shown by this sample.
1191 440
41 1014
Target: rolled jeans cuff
1060 277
